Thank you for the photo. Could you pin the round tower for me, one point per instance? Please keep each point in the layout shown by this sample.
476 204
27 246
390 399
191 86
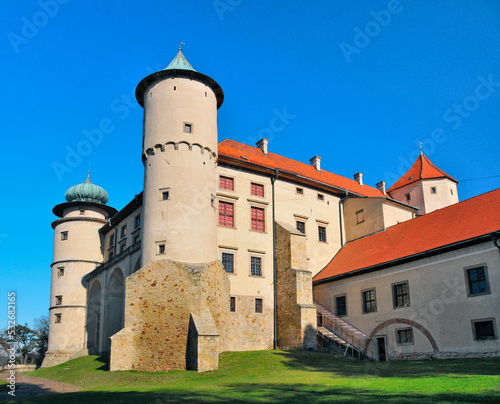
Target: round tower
180 157
77 251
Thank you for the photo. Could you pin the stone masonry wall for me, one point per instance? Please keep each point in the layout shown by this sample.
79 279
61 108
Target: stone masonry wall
296 312
160 299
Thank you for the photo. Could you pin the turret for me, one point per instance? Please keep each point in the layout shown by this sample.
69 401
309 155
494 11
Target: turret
77 251
180 157
425 186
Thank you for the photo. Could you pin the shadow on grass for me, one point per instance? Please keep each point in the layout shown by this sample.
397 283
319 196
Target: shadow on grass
323 362
253 393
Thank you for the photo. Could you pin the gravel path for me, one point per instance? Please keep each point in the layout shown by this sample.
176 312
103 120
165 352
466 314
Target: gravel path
29 386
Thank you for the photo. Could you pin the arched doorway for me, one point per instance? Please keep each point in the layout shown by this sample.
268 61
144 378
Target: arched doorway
94 318
115 304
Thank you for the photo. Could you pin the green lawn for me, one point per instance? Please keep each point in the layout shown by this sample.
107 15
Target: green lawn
283 376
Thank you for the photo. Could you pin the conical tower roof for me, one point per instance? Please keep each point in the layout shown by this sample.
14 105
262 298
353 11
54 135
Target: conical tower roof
422 169
180 62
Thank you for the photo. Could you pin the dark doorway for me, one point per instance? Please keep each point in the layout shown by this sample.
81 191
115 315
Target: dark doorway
381 349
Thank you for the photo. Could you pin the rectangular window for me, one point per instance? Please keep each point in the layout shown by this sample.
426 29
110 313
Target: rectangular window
433 190
58 300
255 266
300 191
322 234
64 235
257 219
137 221
257 189
165 195
232 304
161 248
483 329
404 336
58 318
137 238
360 216
369 301
341 306
112 240
226 214
321 197
60 272
477 281
188 128
258 305
401 295
124 230
408 197
228 262
111 255
226 183
82 211
301 226
122 248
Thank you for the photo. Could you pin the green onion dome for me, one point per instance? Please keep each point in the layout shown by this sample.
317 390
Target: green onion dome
86 192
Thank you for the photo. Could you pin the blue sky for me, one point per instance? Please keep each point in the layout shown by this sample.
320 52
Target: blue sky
361 85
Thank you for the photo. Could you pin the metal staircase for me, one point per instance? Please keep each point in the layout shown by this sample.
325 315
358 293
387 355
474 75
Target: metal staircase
340 336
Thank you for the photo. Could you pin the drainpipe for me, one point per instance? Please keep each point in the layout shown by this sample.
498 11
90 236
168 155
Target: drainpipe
341 201
275 265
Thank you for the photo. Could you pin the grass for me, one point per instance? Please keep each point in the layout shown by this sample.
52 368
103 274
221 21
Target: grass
283 376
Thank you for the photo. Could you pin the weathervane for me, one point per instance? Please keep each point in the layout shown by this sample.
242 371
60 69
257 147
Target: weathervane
421 148
180 45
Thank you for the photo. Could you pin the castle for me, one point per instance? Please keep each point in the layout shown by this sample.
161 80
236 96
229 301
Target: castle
227 245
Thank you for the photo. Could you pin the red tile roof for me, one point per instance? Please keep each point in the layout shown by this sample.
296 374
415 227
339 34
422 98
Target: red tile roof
235 150
422 169
460 222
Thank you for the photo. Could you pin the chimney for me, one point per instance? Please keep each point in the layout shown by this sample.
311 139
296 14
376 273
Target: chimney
262 145
381 186
359 178
316 162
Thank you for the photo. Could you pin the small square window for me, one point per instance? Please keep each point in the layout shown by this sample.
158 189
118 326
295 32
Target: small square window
433 190
322 234
257 219
258 305
226 214
124 230
58 318
404 336
369 301
58 300
301 226
82 211
360 216
226 183
477 281
321 197
165 195
256 266
161 248
300 191
484 329
232 304
256 189
408 197
64 235
341 306
137 221
228 262
60 272
401 295
188 128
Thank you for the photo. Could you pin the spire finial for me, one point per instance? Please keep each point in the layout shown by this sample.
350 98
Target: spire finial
421 152
180 45
88 173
